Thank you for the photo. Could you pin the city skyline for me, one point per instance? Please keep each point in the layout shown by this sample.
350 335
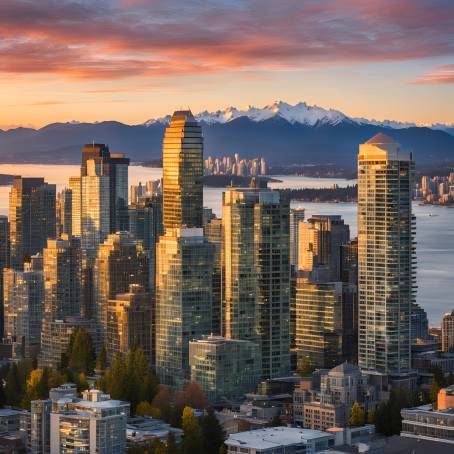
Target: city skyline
376 59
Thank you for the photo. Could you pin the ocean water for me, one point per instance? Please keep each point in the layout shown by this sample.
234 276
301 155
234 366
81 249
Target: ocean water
434 226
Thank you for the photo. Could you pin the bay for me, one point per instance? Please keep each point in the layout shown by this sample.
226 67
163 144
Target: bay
434 225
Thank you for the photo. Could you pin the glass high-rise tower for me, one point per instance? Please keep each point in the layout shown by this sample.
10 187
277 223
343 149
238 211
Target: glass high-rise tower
385 255
183 172
257 274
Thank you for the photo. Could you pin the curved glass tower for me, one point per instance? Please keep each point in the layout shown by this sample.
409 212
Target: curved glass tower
183 172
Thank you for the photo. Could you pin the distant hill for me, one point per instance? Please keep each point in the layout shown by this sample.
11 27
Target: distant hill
281 133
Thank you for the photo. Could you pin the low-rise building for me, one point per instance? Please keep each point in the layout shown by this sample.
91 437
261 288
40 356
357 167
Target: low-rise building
426 423
328 400
278 440
95 423
144 429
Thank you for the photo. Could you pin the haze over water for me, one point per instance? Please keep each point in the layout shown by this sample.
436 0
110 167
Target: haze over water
434 225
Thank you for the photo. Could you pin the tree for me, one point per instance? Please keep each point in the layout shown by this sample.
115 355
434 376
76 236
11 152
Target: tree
192 435
82 382
81 353
191 396
144 409
387 417
101 362
213 434
357 416
13 389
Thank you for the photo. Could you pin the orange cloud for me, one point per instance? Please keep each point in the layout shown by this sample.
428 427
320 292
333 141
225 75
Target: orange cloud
120 39
441 75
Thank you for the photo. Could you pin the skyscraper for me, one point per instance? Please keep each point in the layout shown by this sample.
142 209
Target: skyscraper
64 212
4 261
62 277
24 309
257 273
183 172
120 262
319 245
129 323
385 255
183 300
296 216
75 186
95 208
145 224
32 217
115 166
62 268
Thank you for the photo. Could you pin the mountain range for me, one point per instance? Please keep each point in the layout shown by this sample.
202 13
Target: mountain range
282 133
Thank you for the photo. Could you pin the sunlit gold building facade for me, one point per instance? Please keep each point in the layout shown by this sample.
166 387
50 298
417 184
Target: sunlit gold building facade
183 172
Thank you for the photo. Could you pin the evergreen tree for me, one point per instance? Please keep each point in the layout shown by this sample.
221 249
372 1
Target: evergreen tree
81 353
101 361
13 389
192 435
357 416
213 434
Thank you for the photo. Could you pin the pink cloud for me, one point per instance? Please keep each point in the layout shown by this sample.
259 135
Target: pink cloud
441 75
132 38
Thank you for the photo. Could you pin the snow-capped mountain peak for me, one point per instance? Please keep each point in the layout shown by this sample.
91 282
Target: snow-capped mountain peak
300 113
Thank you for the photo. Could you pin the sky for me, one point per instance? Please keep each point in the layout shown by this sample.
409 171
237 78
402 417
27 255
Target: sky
132 60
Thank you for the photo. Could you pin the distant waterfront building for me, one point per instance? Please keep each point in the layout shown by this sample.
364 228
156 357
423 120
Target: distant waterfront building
95 423
183 172
319 244
213 232
385 255
324 325
4 263
120 262
226 369
24 308
183 300
64 212
296 216
130 322
115 167
95 208
31 216
447 332
257 274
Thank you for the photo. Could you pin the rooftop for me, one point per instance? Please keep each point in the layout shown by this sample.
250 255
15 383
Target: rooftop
381 138
274 437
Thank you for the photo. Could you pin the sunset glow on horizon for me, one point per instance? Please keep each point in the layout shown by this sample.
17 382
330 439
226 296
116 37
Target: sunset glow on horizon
131 60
